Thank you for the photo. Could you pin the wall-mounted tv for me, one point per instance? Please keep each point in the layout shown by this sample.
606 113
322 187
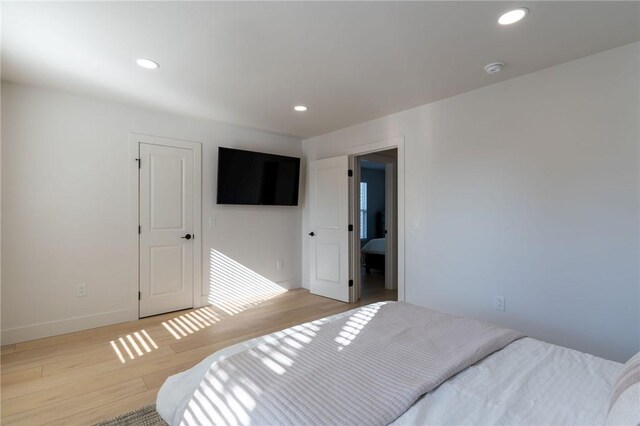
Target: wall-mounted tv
256 178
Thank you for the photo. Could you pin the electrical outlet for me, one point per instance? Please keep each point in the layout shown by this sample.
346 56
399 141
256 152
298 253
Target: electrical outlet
279 265
81 291
499 303
212 222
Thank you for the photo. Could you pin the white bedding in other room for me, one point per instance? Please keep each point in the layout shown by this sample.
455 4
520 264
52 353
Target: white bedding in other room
375 246
527 383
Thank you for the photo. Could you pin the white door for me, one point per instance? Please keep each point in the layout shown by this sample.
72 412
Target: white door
166 228
329 226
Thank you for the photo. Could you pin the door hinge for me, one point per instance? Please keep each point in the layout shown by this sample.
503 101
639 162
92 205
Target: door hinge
139 160
139 295
350 228
350 173
139 229
350 283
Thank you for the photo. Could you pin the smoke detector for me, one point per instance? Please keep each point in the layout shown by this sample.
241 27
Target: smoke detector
494 67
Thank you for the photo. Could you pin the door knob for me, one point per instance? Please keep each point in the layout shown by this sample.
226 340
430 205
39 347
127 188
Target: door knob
187 237
311 233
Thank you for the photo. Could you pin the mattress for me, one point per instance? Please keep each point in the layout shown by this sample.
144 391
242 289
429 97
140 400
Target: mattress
529 382
375 246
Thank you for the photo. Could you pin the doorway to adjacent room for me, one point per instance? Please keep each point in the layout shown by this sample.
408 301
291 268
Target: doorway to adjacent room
376 201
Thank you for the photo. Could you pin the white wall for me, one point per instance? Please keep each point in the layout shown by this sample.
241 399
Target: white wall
66 209
526 189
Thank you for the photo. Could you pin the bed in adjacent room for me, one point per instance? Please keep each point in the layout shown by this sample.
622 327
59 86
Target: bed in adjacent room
392 362
373 254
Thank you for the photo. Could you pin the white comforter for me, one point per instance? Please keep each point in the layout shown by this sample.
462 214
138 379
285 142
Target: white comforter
527 383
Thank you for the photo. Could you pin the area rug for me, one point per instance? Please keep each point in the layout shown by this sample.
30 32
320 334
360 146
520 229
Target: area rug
145 416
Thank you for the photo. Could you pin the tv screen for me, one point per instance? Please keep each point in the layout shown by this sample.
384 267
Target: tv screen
246 177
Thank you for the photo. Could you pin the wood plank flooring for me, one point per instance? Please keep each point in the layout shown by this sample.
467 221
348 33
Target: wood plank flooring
88 376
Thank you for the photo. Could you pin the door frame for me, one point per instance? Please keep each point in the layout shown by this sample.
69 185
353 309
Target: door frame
354 242
135 139
390 201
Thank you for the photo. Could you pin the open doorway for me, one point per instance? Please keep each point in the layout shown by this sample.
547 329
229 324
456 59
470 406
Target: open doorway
335 265
375 237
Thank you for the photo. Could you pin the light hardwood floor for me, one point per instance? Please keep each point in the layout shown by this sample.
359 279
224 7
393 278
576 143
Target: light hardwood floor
80 378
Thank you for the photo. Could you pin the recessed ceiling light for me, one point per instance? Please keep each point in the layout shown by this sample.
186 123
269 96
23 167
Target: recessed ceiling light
300 108
513 16
147 63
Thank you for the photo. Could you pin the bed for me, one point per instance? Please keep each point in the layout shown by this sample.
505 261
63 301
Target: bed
373 254
522 381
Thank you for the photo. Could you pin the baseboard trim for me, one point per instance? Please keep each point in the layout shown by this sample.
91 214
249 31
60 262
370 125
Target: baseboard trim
69 325
287 285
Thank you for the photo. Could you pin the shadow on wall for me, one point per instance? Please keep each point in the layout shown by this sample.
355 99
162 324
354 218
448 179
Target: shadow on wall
233 287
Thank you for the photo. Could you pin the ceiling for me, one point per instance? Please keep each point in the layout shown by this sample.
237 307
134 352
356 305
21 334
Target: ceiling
372 165
249 63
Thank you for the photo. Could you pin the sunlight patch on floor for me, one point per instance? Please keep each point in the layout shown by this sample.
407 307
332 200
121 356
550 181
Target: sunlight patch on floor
133 345
191 322
234 288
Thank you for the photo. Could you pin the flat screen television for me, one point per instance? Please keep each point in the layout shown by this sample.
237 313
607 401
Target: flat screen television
256 178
